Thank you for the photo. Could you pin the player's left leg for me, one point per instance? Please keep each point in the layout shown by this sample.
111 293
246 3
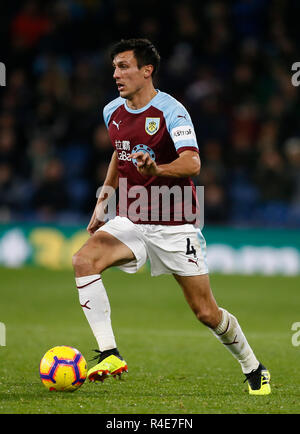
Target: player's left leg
226 328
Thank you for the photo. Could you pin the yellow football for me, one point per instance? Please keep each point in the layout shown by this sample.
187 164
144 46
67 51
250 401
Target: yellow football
63 368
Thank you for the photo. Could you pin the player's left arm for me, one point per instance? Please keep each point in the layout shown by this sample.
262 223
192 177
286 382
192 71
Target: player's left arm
188 164
182 133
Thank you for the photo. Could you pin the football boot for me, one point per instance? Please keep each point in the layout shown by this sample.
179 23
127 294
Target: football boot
259 381
110 363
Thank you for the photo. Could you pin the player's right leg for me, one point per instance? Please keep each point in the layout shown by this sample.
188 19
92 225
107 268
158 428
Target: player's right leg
101 251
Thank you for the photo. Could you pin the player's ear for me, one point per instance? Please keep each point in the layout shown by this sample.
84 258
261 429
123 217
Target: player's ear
148 70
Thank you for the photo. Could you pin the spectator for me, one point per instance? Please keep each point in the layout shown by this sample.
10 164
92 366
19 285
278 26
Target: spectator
30 25
292 152
273 178
40 152
14 195
51 195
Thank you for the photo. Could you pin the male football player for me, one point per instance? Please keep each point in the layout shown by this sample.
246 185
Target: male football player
154 147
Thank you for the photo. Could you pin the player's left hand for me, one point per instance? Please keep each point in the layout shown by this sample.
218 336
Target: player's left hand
145 164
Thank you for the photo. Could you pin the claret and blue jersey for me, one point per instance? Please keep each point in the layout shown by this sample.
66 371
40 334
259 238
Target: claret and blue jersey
163 128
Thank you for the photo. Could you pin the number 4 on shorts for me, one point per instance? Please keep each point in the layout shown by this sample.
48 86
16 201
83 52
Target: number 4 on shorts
190 250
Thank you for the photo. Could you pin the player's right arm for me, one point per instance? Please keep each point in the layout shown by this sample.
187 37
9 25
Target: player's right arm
109 187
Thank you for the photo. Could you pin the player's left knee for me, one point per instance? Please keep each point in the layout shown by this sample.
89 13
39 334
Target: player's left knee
207 316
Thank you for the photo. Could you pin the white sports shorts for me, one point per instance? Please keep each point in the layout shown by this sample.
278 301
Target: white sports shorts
179 249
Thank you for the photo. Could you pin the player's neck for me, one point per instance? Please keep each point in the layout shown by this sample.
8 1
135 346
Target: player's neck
141 98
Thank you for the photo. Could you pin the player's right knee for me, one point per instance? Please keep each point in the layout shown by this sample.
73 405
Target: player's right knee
78 260
83 263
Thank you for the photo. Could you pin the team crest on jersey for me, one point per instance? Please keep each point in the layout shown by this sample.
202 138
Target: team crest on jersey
152 125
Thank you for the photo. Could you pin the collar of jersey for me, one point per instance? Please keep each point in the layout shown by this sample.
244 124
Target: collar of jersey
142 109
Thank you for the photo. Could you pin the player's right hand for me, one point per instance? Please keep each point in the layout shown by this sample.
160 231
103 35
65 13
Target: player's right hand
100 213
94 224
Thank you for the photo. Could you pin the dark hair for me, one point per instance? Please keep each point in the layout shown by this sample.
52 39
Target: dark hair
144 52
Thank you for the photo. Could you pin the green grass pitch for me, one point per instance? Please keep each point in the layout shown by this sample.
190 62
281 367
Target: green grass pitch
176 366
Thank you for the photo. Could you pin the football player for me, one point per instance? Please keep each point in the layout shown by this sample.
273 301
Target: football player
155 151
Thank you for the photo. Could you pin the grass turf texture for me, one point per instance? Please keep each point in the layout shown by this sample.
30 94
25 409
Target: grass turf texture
175 364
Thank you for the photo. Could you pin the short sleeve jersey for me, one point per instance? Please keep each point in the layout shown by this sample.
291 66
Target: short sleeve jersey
164 129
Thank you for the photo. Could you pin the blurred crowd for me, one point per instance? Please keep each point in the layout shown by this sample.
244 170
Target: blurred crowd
228 62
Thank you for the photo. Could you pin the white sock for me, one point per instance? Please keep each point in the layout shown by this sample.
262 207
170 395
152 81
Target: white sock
230 334
95 305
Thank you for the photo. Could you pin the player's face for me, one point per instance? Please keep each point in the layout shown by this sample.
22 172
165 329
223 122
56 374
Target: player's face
129 78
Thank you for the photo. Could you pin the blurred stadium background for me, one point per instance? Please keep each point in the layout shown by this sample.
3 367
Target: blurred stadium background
229 63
